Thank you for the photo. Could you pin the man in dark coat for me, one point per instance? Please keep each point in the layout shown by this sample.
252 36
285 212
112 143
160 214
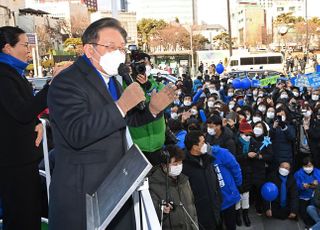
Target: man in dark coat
219 135
203 180
89 116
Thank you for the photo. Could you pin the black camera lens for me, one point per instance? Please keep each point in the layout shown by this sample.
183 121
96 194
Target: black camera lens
141 68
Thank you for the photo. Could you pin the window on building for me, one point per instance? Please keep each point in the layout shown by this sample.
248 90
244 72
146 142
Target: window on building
292 8
274 60
246 61
234 63
260 60
280 9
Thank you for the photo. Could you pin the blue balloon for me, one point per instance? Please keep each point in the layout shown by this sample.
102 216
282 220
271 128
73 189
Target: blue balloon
219 68
269 191
236 83
246 83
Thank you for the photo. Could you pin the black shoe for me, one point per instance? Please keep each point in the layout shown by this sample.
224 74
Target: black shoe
245 215
238 218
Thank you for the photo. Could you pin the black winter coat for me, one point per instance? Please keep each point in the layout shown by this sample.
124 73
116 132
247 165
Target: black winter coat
292 193
314 140
225 140
282 144
246 164
258 166
18 117
205 188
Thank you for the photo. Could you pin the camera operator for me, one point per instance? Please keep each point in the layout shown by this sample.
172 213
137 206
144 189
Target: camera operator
282 135
171 192
150 137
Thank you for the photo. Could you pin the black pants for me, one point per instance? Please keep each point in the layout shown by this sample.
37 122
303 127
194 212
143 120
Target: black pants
229 218
280 213
21 197
303 204
255 196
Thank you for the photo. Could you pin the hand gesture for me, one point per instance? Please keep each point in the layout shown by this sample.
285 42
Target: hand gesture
159 101
252 154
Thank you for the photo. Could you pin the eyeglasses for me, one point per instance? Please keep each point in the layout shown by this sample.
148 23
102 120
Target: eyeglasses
112 47
24 44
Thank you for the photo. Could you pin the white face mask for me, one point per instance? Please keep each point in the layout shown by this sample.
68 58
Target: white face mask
284 96
314 97
256 119
296 94
210 104
308 170
283 172
248 117
174 116
230 94
175 170
307 113
270 115
212 90
257 131
244 137
204 148
211 131
262 108
110 62
255 93
187 103
283 118
231 106
194 112
148 70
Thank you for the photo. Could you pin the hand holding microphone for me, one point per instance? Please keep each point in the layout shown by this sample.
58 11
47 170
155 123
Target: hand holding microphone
124 71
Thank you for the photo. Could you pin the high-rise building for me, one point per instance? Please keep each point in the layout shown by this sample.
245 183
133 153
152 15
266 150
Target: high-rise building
91 4
186 11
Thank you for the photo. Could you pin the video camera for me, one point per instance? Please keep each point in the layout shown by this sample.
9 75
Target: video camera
137 61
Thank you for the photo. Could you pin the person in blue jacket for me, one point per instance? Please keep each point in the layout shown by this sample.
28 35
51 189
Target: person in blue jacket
307 179
229 176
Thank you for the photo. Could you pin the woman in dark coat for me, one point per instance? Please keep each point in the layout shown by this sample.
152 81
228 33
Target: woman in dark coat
246 151
259 165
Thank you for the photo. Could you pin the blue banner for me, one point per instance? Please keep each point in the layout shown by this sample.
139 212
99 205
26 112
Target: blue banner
314 80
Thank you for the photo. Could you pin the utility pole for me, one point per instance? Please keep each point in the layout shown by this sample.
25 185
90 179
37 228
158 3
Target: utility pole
229 28
114 8
191 48
307 26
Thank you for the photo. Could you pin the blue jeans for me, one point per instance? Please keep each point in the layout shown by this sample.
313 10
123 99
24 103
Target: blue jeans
314 213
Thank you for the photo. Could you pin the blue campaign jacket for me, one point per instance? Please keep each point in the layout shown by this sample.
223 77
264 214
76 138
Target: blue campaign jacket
303 178
229 176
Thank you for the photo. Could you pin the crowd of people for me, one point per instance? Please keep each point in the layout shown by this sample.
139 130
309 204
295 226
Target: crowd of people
212 146
223 131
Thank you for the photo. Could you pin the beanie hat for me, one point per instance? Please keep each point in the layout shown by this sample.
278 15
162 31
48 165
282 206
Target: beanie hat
245 127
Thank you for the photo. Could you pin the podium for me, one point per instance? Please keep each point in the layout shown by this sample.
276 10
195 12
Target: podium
123 181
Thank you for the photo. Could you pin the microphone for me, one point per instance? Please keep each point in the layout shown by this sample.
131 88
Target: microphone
124 71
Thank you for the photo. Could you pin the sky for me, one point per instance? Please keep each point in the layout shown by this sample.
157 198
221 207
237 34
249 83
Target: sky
215 11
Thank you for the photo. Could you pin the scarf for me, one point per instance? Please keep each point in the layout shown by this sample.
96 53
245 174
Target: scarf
112 87
15 63
283 192
245 145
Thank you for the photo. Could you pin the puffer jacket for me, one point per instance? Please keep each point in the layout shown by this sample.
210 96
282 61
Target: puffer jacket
282 142
179 193
225 140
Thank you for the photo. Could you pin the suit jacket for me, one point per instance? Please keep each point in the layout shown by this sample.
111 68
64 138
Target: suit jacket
89 136
18 117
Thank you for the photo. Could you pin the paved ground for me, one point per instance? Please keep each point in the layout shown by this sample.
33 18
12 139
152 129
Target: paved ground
263 223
